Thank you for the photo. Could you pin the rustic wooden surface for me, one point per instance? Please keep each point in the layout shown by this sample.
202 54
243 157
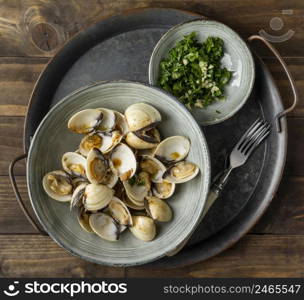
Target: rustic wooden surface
31 31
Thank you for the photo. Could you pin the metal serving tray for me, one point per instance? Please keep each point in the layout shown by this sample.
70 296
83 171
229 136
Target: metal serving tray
119 47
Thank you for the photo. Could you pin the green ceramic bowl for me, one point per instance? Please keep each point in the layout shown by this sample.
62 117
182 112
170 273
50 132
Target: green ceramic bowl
237 59
52 139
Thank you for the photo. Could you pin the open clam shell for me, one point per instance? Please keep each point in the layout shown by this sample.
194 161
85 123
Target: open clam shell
158 209
163 190
104 226
96 167
108 121
141 115
172 149
77 197
120 212
97 196
85 121
104 141
123 162
143 139
143 228
83 219
74 164
180 172
121 123
58 185
153 167
138 187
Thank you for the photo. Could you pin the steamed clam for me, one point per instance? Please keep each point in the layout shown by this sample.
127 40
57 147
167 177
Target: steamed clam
143 228
158 209
58 185
85 121
163 190
143 139
120 212
121 172
182 171
97 196
141 116
123 162
74 164
96 167
104 226
172 149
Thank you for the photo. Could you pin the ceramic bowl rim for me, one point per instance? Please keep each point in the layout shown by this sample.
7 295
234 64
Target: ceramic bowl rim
241 40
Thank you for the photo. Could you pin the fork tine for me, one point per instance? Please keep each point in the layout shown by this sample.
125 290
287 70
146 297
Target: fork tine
258 142
253 137
248 132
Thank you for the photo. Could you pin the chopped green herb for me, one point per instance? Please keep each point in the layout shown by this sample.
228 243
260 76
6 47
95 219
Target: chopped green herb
193 73
218 112
136 180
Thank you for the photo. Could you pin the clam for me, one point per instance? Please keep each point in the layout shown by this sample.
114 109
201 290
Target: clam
108 121
121 123
131 204
96 167
164 189
104 141
181 172
120 212
97 196
143 139
153 167
141 116
78 181
143 228
85 121
104 226
58 185
77 197
137 187
110 179
172 149
83 219
123 162
74 164
158 209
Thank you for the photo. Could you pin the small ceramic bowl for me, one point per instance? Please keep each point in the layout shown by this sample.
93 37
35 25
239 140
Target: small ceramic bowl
237 58
52 139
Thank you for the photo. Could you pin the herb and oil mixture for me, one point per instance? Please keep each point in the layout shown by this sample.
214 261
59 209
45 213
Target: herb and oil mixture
193 73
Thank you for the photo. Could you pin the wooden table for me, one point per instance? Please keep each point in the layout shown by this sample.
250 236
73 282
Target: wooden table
32 31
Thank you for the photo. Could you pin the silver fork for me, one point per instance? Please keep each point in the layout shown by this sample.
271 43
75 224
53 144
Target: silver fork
250 140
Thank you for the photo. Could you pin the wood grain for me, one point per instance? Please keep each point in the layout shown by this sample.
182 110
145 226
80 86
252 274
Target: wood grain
19 74
39 28
253 256
37 256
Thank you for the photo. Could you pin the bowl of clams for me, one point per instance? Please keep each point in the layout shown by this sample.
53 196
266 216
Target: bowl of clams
118 173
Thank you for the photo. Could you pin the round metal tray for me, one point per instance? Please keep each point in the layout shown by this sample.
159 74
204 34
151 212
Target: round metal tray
119 47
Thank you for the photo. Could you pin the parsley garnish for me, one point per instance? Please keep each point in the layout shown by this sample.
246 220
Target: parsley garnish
193 73
136 180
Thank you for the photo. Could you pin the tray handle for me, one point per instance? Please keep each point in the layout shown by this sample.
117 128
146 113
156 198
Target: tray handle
279 116
18 196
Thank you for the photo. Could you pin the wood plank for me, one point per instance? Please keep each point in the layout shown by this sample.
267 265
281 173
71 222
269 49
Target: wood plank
35 28
253 256
284 216
38 256
19 74
11 145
